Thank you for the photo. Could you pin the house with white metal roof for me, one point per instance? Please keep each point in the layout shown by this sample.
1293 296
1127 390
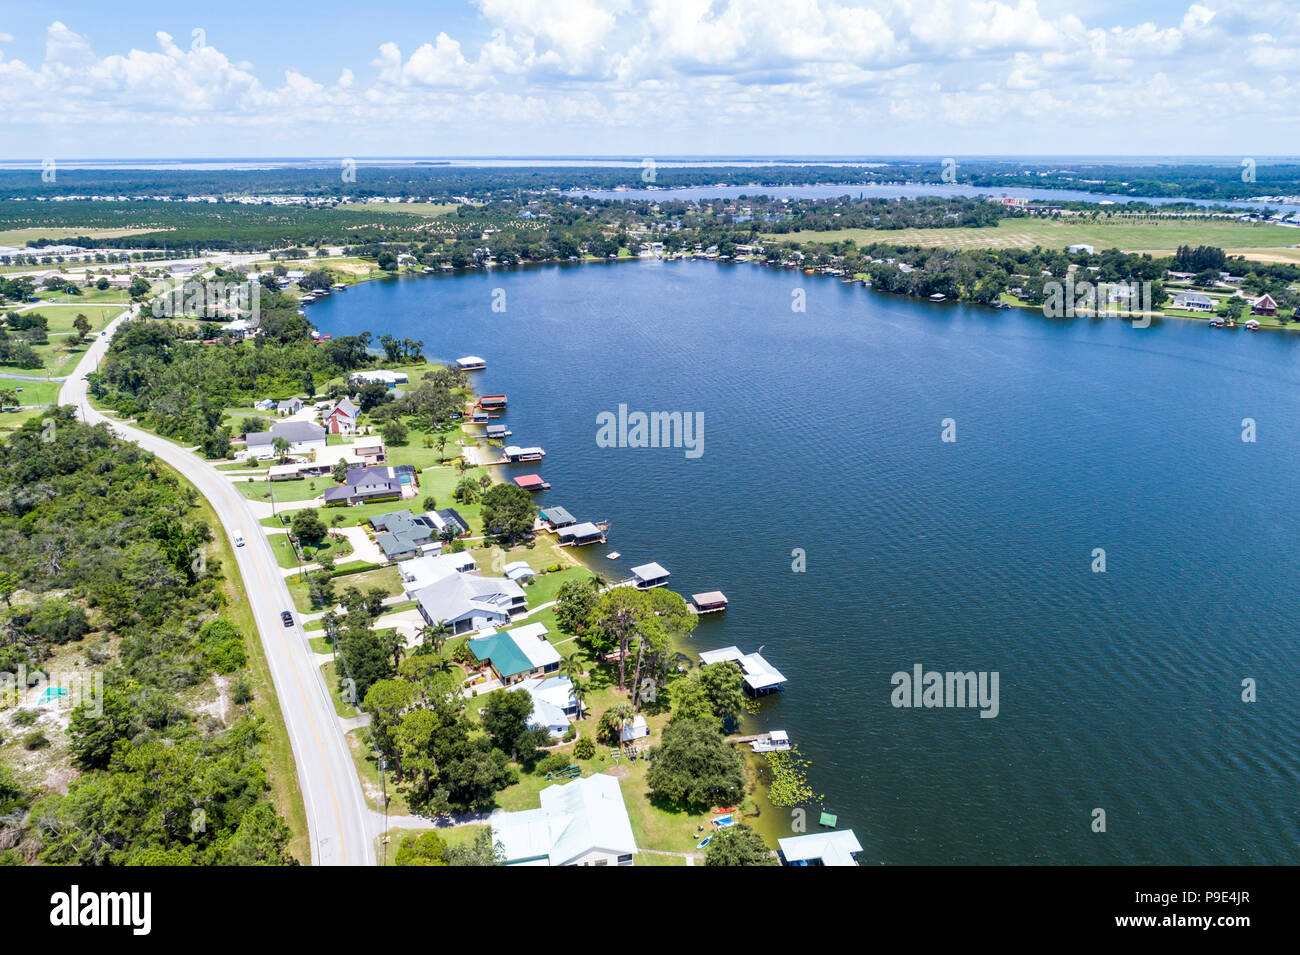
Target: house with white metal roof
583 822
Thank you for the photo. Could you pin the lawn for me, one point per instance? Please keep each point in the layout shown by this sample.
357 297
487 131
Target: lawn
1104 233
302 489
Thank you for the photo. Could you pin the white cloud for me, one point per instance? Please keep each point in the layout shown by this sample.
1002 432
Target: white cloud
770 75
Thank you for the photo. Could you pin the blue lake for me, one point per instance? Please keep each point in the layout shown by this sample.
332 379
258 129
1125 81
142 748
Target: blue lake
1118 690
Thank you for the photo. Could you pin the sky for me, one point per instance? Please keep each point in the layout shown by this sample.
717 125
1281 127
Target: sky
649 77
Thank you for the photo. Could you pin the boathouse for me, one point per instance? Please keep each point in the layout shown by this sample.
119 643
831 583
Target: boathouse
649 575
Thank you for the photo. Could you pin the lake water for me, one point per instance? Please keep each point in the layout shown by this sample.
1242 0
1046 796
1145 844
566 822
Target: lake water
1118 690
909 191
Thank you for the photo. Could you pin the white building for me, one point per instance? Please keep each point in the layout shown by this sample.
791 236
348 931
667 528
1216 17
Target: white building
821 848
584 822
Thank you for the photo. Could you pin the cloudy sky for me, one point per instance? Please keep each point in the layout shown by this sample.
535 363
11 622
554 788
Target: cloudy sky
649 78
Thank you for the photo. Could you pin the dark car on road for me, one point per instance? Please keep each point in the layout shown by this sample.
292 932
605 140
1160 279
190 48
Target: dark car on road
287 618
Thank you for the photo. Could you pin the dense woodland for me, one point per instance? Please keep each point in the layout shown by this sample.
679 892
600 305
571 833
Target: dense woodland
103 567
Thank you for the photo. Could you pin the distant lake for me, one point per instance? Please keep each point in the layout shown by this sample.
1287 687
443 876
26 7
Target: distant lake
1118 690
902 191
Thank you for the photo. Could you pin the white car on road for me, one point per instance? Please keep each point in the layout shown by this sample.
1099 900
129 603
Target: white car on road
239 540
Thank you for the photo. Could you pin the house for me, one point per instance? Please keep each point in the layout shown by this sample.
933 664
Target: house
266 404
517 654
389 379
820 848
419 572
342 418
373 484
518 571
496 432
1086 249
400 534
467 602
448 517
1193 302
1264 305
583 822
760 676
580 535
304 437
635 729
471 363
365 451
556 518
288 406
649 575
239 328
554 703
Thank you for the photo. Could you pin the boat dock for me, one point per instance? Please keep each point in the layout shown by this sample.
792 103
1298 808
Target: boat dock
715 601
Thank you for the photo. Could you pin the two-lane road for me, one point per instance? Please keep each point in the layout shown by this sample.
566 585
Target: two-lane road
340 823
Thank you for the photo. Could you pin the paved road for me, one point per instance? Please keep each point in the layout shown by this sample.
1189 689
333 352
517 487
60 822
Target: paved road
342 827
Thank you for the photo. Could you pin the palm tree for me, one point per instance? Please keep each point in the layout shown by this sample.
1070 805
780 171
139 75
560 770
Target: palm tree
580 690
441 442
621 711
435 634
281 448
573 667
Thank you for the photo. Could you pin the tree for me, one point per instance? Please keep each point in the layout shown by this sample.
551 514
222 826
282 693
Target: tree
691 703
483 851
724 686
82 326
612 722
466 491
386 701
694 768
505 716
508 512
281 448
8 584
427 848
307 526
394 432
738 845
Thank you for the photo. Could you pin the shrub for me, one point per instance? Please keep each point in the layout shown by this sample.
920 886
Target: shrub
24 717
551 762
35 740
585 748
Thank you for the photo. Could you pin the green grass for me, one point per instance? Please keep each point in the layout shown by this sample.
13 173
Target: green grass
302 489
1103 233
33 392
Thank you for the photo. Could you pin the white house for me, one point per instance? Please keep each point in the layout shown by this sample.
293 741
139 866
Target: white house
584 822
467 602
419 572
553 703
304 437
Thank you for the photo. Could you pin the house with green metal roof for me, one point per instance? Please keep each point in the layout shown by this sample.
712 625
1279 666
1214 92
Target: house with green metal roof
517 654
